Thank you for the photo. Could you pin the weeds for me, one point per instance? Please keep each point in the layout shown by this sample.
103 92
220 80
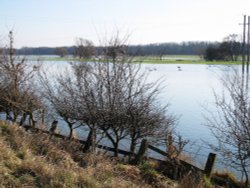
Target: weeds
33 159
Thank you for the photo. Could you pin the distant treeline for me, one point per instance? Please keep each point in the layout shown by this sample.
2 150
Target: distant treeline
185 48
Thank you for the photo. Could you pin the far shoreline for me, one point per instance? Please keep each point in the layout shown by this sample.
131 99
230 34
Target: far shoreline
166 59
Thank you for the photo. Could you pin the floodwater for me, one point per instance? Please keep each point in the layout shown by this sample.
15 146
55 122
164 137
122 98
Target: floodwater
189 90
187 87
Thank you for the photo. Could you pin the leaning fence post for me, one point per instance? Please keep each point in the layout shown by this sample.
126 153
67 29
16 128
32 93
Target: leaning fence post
142 150
53 127
209 164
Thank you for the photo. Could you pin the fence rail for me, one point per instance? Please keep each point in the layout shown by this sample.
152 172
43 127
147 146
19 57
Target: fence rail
173 168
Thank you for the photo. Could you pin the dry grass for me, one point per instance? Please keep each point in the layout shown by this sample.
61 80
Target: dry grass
189 182
37 160
226 179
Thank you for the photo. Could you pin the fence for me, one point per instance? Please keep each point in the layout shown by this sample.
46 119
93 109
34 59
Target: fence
173 168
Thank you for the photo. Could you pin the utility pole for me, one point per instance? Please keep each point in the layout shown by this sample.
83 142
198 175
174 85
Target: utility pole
244 45
248 42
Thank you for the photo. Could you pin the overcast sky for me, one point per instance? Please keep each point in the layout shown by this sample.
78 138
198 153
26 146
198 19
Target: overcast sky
59 22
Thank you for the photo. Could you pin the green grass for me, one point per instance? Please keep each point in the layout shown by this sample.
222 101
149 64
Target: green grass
166 59
52 58
181 59
189 62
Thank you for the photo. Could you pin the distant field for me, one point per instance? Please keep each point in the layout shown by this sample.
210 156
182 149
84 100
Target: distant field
166 59
179 59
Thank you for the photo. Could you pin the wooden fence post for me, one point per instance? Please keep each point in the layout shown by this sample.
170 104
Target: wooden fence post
210 163
53 127
142 150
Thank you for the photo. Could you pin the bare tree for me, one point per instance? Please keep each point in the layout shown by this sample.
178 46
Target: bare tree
111 97
147 117
84 48
59 94
127 104
120 84
17 93
230 124
115 48
231 46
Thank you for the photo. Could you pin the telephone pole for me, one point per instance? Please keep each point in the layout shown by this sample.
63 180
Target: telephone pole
248 42
244 45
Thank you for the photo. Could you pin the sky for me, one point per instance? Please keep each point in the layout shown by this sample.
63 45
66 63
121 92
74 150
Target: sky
59 22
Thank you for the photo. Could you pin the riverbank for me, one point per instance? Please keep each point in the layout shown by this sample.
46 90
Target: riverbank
181 59
49 161
27 161
167 59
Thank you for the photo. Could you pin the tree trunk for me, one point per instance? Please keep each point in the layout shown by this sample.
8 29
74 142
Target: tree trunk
23 119
93 140
142 150
246 176
132 148
90 145
114 142
70 133
15 114
43 116
87 145
116 149
32 122
70 130
246 182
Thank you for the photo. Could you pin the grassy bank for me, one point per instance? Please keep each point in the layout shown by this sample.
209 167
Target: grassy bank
181 59
167 59
37 160
33 159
